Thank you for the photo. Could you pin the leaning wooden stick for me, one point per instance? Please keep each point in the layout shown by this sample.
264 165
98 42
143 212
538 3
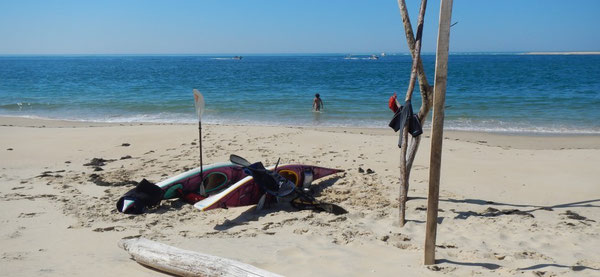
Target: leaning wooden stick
426 89
184 262
416 70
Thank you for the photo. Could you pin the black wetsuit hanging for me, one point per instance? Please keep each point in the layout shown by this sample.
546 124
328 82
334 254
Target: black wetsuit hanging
404 115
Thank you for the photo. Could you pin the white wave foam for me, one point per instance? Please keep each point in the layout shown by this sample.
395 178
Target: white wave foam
497 126
491 126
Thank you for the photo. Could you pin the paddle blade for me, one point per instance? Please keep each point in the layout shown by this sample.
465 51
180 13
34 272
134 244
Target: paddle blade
199 102
238 160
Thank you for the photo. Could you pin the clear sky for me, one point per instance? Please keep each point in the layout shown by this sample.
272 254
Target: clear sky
288 26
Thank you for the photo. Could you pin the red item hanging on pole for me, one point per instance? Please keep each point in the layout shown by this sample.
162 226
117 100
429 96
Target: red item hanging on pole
392 103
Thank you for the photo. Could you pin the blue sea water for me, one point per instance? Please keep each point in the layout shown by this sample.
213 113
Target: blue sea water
486 92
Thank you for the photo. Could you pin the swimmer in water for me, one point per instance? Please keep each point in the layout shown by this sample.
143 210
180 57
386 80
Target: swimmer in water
317 103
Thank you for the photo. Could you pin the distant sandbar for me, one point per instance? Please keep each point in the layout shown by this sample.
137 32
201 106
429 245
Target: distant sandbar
562 53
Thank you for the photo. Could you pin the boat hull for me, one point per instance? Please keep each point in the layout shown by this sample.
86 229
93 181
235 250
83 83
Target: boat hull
247 192
226 184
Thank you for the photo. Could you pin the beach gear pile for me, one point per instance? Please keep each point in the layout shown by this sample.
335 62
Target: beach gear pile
238 183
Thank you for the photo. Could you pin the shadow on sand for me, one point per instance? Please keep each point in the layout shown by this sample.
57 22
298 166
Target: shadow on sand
579 204
489 266
167 206
317 189
493 212
573 267
249 215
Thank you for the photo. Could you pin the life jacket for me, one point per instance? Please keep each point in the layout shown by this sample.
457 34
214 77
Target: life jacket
190 197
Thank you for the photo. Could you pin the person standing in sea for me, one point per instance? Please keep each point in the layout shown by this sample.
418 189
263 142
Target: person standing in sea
317 103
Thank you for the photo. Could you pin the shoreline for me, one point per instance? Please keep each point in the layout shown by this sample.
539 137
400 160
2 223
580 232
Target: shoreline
504 140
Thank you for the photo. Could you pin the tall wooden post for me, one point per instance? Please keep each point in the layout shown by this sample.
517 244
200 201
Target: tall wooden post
437 129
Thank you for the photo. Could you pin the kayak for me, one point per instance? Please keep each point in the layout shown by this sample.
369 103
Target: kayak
247 192
216 177
225 185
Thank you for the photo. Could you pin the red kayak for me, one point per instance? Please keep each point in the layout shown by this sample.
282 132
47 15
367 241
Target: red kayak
247 192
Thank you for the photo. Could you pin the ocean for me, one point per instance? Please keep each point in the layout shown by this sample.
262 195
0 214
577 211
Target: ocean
506 93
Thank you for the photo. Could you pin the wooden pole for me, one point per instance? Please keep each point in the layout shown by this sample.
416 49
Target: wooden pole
437 129
199 104
201 163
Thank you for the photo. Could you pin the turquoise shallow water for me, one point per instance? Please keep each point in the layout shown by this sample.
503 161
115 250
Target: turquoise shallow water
486 92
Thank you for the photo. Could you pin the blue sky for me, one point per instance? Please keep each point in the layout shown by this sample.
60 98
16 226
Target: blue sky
289 26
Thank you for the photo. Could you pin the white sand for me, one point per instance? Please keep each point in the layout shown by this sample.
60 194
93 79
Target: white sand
62 224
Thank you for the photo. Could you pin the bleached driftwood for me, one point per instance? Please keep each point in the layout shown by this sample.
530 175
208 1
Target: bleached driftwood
181 262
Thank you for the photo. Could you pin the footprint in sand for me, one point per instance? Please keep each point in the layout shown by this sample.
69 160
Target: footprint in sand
14 256
27 215
16 233
110 228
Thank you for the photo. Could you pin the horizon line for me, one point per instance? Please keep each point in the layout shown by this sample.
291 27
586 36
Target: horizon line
295 53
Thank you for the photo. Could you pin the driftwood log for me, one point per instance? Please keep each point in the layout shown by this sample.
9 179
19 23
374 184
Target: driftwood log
184 262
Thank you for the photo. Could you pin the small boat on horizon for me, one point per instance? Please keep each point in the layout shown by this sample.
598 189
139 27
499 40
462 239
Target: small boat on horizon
237 57
374 57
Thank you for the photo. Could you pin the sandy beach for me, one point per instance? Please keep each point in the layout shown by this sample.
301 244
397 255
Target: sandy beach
510 204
